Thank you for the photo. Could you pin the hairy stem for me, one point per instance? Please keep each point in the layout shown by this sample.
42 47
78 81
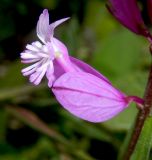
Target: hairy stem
141 117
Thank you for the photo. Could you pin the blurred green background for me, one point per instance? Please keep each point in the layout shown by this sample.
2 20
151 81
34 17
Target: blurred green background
33 126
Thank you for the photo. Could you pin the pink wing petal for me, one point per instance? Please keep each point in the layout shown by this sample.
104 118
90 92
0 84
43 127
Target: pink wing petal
88 97
87 68
78 65
43 27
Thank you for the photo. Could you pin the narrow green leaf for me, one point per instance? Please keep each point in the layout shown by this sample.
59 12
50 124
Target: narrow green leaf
124 146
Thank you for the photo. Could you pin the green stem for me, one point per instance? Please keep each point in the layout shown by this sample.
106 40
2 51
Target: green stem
141 117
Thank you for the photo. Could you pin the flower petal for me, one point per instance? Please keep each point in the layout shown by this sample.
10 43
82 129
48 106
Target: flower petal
43 27
62 55
59 47
87 68
57 23
88 97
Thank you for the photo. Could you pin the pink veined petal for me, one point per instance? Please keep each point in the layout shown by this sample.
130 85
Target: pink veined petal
87 68
88 97
83 80
43 28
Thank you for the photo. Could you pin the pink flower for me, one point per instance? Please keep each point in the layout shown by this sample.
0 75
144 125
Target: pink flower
78 87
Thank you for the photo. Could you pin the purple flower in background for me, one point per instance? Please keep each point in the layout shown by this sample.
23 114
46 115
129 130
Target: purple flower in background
78 87
127 13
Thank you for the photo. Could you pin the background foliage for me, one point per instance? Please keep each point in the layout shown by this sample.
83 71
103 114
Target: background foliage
33 126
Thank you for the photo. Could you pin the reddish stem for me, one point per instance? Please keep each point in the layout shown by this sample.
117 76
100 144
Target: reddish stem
141 117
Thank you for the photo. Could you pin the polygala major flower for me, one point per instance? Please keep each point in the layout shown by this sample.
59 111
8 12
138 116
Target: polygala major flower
78 87
127 12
